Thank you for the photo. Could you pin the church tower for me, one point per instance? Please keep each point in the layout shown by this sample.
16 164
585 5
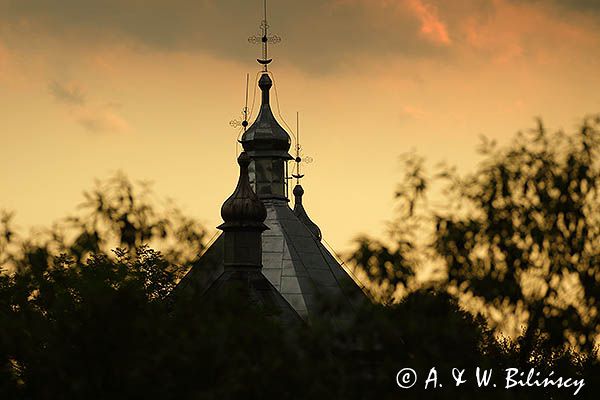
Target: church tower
267 144
294 260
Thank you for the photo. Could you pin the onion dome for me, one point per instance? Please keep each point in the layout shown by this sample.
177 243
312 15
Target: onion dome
265 137
300 212
243 209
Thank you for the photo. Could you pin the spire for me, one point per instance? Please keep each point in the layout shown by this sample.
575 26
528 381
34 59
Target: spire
265 141
300 212
299 159
243 215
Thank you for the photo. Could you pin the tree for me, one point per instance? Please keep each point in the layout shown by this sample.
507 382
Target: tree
532 234
520 233
391 264
106 326
116 213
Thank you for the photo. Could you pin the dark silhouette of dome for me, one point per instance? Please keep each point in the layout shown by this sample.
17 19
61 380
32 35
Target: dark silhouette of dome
265 136
243 208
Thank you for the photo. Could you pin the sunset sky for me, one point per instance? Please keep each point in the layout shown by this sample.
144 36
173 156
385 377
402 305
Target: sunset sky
149 87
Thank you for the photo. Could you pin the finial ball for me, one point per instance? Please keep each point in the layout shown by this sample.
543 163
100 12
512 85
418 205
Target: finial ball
298 191
265 82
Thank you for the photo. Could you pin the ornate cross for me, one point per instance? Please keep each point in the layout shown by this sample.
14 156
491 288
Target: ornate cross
265 39
243 121
299 157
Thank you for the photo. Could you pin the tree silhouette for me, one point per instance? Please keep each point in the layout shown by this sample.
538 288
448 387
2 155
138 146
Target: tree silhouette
115 213
391 263
522 232
531 235
79 320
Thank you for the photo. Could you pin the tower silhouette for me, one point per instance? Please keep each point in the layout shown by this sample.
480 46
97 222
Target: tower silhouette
287 251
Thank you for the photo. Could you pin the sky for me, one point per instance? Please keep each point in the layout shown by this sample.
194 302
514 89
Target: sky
148 87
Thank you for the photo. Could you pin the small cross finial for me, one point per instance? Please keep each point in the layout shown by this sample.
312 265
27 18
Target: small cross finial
236 123
264 38
299 157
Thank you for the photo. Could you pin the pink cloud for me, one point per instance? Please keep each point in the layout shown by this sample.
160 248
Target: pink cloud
413 112
432 27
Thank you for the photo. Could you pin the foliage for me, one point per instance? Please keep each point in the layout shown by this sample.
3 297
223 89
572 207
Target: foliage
86 323
79 321
116 213
391 265
71 327
107 328
520 233
533 237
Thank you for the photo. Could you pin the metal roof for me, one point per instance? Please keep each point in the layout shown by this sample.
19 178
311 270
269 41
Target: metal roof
265 137
295 262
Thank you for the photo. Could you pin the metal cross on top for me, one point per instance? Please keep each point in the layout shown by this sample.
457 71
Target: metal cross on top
243 121
265 39
299 157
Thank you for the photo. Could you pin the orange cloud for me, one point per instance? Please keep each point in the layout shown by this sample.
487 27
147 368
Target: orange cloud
101 120
67 93
413 112
527 30
432 26
93 118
